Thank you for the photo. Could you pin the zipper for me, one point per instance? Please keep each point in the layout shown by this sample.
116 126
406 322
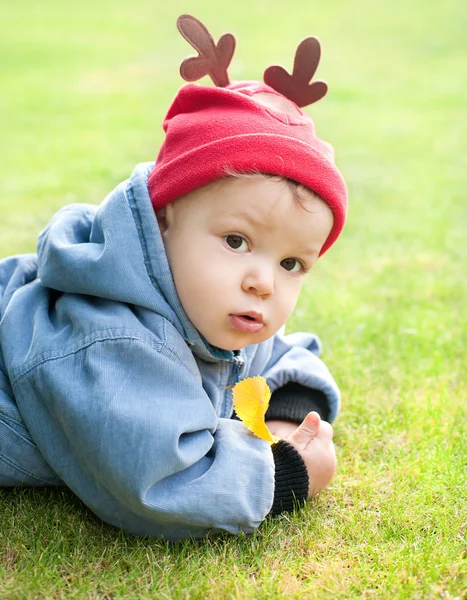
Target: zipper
237 361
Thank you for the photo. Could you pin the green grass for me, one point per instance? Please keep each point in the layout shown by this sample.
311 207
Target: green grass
83 88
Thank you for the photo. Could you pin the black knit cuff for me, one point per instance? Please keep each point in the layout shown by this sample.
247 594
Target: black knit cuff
291 478
294 401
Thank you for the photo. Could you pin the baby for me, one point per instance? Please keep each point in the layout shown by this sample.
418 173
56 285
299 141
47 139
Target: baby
121 339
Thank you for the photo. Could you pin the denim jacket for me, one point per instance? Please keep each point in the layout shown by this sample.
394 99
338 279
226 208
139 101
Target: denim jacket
106 387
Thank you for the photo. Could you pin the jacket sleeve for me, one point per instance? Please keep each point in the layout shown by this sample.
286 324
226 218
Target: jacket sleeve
293 402
295 359
130 430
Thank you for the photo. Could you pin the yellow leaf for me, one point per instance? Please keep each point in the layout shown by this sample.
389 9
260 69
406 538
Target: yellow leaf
251 400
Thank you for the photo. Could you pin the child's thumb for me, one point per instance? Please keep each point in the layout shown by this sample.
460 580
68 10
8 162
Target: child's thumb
306 431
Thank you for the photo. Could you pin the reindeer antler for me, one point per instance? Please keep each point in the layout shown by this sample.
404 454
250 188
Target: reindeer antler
212 59
297 87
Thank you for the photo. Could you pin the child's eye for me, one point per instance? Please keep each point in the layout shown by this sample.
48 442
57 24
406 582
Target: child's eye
292 265
237 242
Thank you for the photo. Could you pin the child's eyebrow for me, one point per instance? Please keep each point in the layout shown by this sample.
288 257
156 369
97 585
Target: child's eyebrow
249 217
304 251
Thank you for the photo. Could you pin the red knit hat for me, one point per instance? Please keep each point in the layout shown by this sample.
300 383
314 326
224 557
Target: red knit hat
245 127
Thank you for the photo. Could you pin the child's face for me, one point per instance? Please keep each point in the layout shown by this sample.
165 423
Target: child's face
239 249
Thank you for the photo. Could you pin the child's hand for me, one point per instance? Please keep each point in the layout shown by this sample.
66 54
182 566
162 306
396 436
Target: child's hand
281 429
313 441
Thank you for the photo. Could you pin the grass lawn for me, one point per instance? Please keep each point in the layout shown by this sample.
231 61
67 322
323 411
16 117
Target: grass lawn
83 89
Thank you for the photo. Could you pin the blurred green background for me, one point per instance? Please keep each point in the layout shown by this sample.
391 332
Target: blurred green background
83 90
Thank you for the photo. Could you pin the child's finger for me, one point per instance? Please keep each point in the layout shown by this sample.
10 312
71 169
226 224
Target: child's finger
326 430
306 431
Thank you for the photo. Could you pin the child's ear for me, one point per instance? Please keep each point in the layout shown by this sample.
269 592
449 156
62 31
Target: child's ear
164 217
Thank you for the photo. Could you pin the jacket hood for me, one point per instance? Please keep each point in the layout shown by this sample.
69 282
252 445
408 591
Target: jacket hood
115 251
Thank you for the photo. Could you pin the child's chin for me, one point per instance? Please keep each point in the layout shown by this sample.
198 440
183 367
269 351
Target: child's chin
236 344
230 347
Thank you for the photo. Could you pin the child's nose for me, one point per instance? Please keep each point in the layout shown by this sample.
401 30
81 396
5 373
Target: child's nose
259 282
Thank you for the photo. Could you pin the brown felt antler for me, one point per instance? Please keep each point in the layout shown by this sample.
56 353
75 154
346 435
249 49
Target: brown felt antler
213 60
297 87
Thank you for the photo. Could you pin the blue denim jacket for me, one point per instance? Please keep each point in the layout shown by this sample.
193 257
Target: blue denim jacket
106 387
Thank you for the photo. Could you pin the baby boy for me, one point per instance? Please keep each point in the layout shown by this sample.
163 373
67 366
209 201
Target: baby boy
121 339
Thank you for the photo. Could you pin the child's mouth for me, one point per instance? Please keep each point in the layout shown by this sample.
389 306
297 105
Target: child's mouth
247 323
